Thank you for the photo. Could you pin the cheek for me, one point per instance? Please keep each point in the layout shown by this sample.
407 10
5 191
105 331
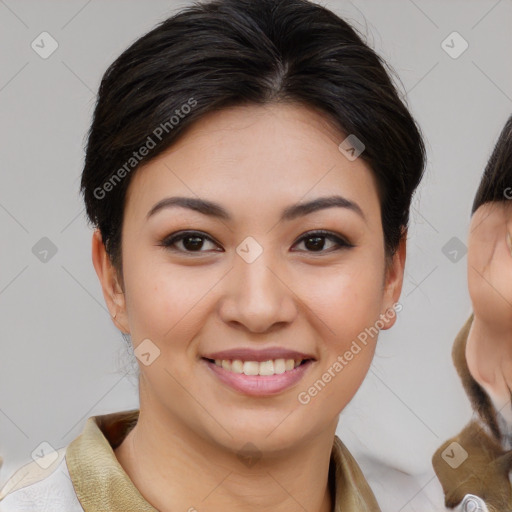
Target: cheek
348 307
347 299
158 298
351 308
167 303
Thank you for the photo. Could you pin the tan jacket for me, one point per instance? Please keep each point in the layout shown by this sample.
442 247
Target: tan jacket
86 476
476 462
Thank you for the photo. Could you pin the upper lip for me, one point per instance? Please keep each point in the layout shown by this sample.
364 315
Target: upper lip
249 354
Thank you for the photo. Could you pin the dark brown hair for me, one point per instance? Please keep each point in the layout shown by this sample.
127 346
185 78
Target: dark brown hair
224 53
496 182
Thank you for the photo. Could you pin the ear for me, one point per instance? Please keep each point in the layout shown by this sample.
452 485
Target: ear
393 281
110 283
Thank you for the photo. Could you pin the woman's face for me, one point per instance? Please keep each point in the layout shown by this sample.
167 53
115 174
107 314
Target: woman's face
489 260
257 282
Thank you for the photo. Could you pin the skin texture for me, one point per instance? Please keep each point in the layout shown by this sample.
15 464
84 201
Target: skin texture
489 345
254 161
483 353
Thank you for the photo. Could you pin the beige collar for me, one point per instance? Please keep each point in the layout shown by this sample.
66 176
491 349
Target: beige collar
101 483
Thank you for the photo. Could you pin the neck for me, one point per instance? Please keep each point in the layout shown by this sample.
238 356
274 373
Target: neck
175 469
489 359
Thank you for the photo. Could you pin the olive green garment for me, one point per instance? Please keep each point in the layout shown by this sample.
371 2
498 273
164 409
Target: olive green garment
101 483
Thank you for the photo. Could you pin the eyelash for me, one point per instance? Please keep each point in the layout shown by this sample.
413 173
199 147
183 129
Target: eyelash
169 241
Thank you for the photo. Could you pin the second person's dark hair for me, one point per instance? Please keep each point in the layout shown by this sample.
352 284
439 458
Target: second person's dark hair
231 52
496 182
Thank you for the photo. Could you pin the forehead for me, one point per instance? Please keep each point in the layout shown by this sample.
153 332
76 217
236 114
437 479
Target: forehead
255 155
490 215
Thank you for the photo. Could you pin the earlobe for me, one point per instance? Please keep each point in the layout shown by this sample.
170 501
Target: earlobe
393 282
107 275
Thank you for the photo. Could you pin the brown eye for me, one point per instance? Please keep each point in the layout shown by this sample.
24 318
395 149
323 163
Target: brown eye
315 241
192 241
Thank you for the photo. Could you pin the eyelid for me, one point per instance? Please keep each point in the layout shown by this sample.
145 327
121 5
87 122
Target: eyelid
341 241
171 239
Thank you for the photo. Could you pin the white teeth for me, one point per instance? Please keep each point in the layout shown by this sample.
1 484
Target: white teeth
267 368
279 366
270 367
237 366
251 367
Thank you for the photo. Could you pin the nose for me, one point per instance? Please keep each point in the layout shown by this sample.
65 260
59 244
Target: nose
258 296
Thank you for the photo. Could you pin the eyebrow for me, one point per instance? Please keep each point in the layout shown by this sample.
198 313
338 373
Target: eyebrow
212 209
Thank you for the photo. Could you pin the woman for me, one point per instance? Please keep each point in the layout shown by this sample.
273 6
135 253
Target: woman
249 172
482 351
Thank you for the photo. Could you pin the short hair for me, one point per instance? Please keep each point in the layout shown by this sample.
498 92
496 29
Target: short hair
224 53
496 182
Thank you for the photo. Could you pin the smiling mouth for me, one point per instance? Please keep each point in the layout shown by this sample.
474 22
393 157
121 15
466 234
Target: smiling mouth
260 368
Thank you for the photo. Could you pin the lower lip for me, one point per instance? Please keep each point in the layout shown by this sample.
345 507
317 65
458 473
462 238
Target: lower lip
259 385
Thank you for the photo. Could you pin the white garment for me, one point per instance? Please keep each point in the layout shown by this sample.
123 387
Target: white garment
397 490
35 489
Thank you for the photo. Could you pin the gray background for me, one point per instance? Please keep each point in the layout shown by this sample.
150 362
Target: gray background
62 359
